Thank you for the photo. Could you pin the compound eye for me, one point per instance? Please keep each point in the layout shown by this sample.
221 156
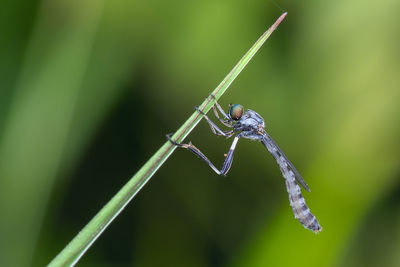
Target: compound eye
236 112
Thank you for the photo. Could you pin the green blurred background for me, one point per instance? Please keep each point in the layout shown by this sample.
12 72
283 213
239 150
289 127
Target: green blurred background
89 89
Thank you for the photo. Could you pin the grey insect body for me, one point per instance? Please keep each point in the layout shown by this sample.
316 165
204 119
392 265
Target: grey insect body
251 125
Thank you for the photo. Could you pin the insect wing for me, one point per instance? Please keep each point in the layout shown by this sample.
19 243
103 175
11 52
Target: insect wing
277 152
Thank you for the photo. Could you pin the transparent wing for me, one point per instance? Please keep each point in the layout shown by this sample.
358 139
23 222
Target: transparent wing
278 154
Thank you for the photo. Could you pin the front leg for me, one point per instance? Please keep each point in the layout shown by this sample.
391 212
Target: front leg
214 128
227 121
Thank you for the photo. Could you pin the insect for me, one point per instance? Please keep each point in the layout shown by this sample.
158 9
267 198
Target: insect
251 125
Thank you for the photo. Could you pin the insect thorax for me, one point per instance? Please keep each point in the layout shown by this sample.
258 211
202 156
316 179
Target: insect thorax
250 125
252 119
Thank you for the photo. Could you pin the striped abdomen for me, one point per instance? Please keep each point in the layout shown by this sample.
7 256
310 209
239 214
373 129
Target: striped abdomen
298 204
296 199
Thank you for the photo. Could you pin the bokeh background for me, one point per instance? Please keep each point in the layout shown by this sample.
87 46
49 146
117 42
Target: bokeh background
89 89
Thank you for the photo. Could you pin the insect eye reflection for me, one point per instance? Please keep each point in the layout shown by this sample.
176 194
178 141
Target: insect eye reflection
236 111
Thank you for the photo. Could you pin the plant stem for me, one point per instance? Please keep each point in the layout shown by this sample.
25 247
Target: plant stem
85 238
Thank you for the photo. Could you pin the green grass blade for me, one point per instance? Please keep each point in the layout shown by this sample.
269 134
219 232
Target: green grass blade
77 247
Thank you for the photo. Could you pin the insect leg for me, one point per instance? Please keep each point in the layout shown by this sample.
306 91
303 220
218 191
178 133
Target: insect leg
227 121
229 157
228 160
214 128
